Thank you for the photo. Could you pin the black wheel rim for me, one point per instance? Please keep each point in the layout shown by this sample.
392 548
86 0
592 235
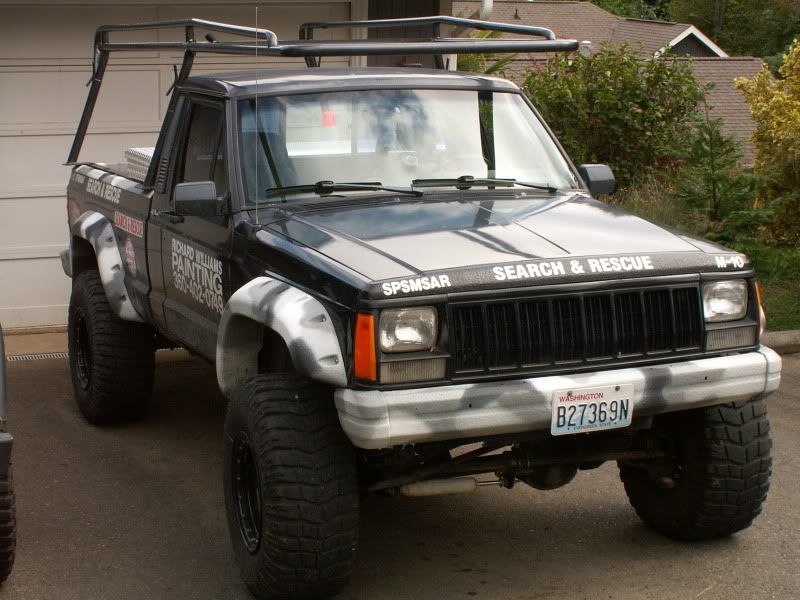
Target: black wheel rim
83 350
246 492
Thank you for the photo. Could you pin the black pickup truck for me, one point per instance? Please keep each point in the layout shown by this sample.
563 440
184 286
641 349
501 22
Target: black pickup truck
406 285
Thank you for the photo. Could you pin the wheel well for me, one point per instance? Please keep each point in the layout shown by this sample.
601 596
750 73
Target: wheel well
83 256
274 356
245 347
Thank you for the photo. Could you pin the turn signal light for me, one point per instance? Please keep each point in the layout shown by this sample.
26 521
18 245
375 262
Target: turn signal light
364 348
762 317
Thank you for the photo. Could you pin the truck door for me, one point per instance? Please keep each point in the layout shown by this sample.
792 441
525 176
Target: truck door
195 249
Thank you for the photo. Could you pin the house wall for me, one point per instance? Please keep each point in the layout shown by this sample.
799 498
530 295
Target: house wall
389 9
691 46
45 58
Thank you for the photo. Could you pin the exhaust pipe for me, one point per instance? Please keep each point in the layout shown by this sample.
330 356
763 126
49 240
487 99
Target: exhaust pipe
439 487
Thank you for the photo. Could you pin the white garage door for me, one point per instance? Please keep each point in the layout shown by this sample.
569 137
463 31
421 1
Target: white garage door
45 51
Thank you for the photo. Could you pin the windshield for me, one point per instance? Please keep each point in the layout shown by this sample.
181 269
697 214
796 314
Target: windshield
393 137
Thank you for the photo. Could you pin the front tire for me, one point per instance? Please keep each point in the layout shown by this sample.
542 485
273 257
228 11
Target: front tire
718 477
111 361
291 488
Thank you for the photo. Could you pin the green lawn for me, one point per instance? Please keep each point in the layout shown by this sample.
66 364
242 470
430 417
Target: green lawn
781 304
778 270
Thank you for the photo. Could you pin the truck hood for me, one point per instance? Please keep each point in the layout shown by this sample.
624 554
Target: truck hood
475 238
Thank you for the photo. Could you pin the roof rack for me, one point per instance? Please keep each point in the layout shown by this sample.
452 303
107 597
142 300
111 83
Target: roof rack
464 45
264 43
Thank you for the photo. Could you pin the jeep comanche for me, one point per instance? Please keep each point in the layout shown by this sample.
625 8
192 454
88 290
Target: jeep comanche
406 287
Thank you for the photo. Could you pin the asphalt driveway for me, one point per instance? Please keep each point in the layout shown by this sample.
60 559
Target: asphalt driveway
137 512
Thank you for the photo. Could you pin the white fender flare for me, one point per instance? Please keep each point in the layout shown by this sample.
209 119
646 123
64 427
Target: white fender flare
299 318
96 229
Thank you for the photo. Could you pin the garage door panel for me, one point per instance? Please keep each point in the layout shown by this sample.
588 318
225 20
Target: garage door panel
48 99
22 235
38 160
45 55
138 91
43 298
63 32
282 18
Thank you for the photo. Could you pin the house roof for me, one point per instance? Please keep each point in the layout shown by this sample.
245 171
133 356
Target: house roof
652 36
572 20
726 102
586 21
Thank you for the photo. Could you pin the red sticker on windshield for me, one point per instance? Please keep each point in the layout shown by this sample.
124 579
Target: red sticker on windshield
328 118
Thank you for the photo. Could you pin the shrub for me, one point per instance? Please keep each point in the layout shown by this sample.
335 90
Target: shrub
617 107
490 64
775 107
710 185
653 198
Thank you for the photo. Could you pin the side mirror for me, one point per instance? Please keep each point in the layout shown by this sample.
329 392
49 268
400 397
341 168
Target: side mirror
198 199
598 178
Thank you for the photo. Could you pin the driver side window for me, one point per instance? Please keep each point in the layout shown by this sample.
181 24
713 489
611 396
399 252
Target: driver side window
204 151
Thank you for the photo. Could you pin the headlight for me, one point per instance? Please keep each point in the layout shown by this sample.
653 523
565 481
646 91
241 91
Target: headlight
408 329
724 300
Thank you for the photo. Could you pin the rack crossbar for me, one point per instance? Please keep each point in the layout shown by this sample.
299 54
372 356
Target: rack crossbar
354 48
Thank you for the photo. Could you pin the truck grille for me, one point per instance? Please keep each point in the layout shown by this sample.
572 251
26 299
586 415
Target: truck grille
550 332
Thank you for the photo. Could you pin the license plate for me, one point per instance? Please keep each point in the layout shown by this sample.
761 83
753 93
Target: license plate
579 410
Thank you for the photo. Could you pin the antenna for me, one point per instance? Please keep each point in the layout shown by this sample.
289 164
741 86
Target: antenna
257 121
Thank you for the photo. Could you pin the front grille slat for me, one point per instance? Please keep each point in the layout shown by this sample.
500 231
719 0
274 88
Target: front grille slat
688 326
534 332
631 324
467 338
568 336
600 337
540 333
501 351
659 321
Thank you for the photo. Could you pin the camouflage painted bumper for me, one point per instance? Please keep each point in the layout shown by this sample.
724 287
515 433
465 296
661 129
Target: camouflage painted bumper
376 419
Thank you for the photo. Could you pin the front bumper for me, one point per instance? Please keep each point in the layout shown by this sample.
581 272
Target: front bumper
379 419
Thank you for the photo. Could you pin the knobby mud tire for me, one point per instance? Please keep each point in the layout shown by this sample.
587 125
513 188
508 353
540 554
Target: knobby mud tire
723 457
111 361
294 531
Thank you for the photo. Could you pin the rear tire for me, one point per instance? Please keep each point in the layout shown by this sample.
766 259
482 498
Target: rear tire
111 361
8 527
721 468
291 488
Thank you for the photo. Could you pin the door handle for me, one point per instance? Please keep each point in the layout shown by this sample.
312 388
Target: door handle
169 215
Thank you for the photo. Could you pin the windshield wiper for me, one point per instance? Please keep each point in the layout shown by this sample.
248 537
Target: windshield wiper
325 187
465 182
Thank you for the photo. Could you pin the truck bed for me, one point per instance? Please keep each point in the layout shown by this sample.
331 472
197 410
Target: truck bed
137 162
